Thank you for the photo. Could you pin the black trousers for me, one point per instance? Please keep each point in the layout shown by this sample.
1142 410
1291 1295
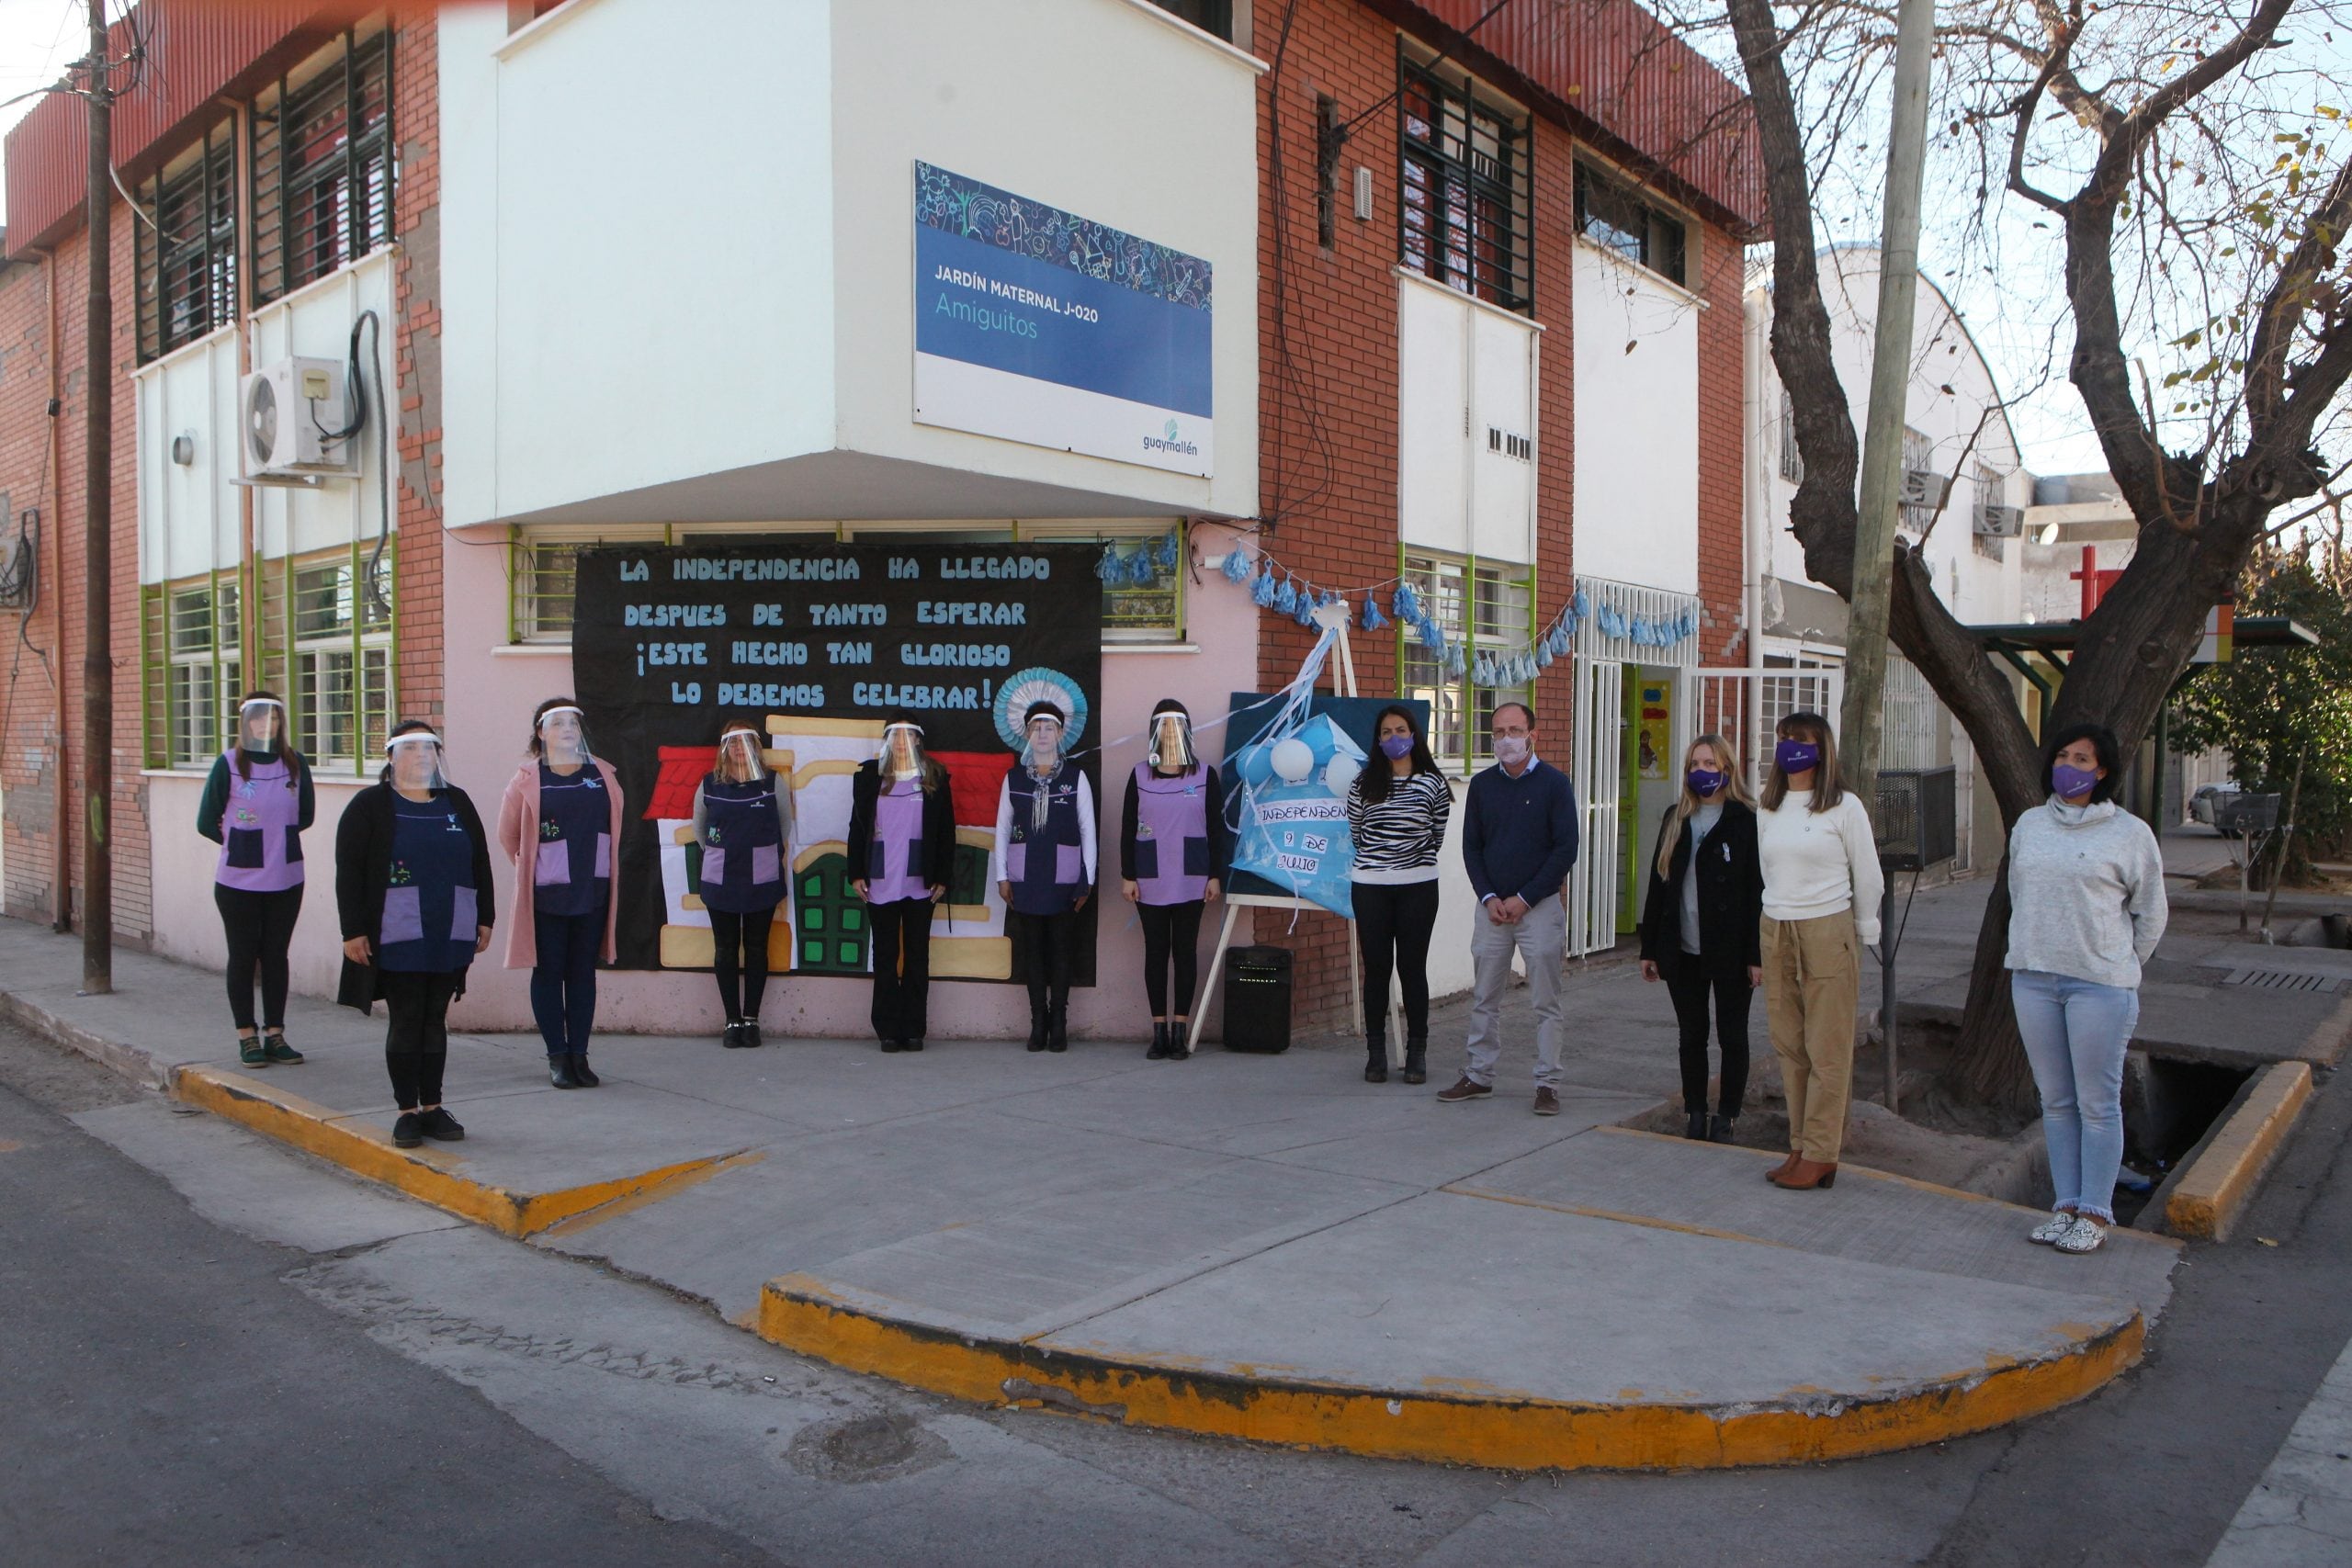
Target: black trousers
1686 983
416 1046
743 980
1171 931
260 927
901 967
1051 943
1393 925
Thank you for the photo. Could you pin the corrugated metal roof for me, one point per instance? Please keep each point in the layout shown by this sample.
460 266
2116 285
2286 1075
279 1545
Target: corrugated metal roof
1626 76
196 50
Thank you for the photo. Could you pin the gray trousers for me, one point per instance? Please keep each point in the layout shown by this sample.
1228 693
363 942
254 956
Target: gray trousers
1540 936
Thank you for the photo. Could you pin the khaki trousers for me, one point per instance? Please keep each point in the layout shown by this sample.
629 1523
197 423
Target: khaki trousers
1813 978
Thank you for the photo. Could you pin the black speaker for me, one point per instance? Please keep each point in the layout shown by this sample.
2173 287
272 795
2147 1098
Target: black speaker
1257 999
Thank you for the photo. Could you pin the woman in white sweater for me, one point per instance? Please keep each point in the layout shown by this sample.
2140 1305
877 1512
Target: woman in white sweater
2086 906
1821 891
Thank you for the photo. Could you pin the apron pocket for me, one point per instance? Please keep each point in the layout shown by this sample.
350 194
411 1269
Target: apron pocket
766 863
1068 864
245 848
403 916
604 855
293 845
1196 857
1147 859
463 925
714 868
555 864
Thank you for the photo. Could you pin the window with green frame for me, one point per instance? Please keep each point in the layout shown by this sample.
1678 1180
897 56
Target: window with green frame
192 661
328 626
1488 604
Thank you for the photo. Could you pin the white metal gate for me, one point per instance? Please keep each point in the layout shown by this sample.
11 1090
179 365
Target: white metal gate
1745 706
1599 762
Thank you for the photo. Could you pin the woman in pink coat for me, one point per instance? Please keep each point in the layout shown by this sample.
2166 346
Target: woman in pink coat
559 825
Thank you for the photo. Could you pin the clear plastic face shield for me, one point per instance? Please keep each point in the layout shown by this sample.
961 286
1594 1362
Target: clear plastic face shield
903 750
1171 741
261 721
742 756
1045 737
564 737
416 759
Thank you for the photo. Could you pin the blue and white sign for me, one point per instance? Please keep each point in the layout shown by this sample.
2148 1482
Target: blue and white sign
1035 325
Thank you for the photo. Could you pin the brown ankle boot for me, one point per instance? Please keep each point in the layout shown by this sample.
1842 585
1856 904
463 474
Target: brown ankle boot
1785 1166
1806 1175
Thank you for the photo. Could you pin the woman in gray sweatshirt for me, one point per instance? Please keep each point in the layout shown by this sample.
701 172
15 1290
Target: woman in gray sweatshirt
2086 906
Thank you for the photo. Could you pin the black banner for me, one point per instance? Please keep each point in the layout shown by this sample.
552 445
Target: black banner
814 644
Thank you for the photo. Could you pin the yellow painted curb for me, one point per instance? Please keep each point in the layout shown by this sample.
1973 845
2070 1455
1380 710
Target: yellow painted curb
1500 1428
430 1176
2208 1196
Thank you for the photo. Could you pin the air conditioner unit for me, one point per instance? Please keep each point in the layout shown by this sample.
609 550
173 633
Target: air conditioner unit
289 412
2000 522
1922 486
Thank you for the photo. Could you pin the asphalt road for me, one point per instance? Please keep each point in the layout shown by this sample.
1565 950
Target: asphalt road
250 1359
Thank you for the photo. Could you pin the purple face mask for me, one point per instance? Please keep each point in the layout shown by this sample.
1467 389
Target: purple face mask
1797 756
1396 747
1703 783
2070 781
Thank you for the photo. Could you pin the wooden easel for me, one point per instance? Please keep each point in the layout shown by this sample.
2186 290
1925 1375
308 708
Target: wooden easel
1335 617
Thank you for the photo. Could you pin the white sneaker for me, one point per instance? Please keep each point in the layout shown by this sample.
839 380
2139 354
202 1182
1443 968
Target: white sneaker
2086 1234
2059 1223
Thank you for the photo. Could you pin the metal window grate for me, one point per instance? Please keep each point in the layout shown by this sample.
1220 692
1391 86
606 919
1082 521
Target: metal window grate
1614 216
187 266
322 168
1466 187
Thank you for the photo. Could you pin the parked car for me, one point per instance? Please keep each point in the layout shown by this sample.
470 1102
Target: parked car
2203 805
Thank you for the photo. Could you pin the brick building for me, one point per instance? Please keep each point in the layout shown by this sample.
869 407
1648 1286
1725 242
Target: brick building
1490 344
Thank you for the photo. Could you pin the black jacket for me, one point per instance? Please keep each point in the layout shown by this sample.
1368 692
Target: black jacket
938 827
1731 899
363 869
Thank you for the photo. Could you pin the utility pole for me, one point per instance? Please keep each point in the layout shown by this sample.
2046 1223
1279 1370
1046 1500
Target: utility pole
1882 477
97 523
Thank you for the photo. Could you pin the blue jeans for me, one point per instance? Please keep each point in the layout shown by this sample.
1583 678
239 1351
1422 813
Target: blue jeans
2075 1034
563 980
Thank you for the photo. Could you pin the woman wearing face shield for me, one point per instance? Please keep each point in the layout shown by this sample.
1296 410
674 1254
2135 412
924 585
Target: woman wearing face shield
413 892
558 823
901 850
257 803
1044 866
744 822
1171 858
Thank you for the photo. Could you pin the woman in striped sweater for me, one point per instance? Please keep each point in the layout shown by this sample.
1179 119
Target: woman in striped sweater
1396 811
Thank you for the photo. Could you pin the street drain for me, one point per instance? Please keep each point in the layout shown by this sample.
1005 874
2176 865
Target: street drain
865 1447
2283 980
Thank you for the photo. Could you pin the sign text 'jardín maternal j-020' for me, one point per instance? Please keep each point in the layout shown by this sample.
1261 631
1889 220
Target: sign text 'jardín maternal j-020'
812 645
1036 325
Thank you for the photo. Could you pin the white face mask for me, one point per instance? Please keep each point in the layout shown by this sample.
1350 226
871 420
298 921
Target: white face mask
1511 750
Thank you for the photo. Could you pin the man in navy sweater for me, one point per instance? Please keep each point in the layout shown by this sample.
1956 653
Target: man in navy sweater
1519 838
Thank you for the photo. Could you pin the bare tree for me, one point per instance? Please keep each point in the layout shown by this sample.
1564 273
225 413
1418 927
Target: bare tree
2192 172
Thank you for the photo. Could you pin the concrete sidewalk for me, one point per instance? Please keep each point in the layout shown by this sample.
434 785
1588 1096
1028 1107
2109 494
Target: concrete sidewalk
1264 1247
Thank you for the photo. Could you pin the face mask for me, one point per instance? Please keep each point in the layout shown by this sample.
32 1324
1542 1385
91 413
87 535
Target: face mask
1703 783
1797 756
1397 747
1045 744
1510 749
2070 781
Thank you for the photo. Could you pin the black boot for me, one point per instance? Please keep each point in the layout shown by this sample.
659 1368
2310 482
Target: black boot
559 1073
1417 1052
1694 1126
1375 1062
1177 1028
1058 1035
1720 1129
1158 1051
1037 1026
580 1071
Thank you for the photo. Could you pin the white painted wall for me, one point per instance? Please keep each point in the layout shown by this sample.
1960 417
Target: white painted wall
316 321
1101 107
1464 369
188 517
1636 514
636 247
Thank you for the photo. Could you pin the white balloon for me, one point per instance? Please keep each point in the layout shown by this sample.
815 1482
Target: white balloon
1293 759
1341 775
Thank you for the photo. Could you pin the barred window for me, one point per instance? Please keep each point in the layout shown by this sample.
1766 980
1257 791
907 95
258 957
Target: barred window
187 265
1992 546
1791 460
342 660
1466 183
545 574
322 166
1488 604
1617 217
193 670
1918 458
